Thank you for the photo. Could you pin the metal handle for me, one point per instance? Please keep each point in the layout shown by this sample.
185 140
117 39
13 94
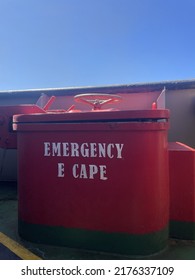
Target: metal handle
97 100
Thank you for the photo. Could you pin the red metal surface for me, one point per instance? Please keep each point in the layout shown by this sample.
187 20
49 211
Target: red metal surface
8 138
182 182
110 176
100 115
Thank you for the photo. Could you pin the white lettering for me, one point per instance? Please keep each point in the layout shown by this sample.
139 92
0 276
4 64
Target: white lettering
109 151
85 150
89 171
74 149
119 148
47 149
56 151
92 171
102 149
83 172
74 170
60 169
93 147
103 172
65 149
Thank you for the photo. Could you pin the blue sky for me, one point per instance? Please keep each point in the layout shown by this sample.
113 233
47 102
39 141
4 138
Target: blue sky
67 43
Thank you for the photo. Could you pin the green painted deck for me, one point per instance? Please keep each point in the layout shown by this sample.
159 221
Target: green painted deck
15 247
